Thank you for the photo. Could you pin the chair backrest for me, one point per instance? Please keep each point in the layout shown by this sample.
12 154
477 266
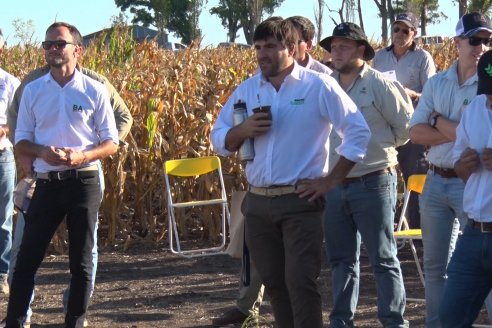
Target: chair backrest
416 183
188 167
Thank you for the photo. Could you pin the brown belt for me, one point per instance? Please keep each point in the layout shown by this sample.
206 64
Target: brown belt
273 191
445 173
482 226
362 177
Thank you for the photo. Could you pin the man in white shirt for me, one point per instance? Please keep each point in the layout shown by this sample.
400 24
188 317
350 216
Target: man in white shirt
251 294
8 85
470 269
288 176
67 124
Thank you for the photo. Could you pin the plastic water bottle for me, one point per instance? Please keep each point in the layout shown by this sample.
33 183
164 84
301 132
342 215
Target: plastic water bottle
247 150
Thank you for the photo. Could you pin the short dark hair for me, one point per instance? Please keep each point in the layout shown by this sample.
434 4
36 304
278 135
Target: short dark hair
281 29
304 25
76 36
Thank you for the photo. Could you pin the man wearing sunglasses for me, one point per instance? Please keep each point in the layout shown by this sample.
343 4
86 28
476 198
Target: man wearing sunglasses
433 124
66 123
412 66
124 122
8 85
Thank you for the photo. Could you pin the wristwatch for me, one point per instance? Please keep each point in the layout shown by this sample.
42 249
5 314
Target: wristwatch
433 120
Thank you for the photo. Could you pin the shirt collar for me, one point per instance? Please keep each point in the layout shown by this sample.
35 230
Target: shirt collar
76 76
452 74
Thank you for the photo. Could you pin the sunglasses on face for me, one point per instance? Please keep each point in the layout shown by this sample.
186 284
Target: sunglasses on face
404 30
59 44
474 41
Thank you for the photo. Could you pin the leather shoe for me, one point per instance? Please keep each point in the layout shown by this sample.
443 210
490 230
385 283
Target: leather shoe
230 317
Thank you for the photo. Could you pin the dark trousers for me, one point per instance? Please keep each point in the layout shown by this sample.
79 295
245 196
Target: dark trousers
78 200
411 158
284 235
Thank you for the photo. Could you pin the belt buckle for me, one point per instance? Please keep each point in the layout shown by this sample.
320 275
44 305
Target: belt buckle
485 228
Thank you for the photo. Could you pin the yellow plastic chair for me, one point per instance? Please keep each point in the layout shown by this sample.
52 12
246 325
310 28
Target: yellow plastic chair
403 232
187 168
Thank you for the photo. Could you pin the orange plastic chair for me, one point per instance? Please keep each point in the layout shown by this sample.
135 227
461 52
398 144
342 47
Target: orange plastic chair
194 167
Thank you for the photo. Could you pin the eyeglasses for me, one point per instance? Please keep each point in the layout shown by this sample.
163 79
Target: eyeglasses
474 41
59 44
404 30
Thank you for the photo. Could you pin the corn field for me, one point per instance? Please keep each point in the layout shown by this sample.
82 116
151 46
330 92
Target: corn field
174 98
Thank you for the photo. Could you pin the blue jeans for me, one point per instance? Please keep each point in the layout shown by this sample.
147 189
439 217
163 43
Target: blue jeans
19 233
469 279
364 211
7 185
441 212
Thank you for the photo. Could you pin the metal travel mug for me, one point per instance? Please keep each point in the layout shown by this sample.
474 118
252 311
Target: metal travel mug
246 151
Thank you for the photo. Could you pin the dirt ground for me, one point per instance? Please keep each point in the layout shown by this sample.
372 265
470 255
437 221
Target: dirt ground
150 287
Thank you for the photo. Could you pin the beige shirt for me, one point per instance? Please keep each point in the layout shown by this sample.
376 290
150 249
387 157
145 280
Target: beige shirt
387 110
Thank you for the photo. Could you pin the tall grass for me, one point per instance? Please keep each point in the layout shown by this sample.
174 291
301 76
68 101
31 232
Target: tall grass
174 98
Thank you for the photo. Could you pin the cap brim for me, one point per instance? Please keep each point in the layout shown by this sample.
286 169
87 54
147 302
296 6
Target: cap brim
368 53
407 23
326 43
475 31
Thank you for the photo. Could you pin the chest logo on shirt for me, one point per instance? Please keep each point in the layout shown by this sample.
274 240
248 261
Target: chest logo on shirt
466 102
297 102
77 108
363 90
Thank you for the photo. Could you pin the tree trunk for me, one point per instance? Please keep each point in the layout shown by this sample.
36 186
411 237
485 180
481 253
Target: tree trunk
359 11
462 6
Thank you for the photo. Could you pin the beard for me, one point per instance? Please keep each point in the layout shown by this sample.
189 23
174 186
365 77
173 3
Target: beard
268 68
56 61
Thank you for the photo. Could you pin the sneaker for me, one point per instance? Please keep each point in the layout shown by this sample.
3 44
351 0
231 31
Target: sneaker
230 317
27 324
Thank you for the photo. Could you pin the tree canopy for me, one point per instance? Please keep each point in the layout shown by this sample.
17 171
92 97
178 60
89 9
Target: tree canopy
177 16
245 14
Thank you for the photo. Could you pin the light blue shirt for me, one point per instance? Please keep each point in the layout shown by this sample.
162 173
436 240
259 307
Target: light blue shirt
304 110
77 115
443 94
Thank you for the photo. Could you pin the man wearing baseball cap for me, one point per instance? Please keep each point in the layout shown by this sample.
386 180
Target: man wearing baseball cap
412 66
469 279
433 124
362 206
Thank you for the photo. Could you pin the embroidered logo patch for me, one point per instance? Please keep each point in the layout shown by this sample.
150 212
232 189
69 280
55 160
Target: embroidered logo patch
466 102
77 108
297 102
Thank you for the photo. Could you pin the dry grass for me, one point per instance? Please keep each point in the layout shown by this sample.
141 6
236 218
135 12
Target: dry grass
174 98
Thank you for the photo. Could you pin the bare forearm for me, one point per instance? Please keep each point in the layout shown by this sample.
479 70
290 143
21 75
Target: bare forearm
234 138
105 149
447 128
424 134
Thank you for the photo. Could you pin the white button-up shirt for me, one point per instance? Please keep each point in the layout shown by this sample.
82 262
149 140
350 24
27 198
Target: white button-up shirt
443 94
475 131
8 85
304 110
77 115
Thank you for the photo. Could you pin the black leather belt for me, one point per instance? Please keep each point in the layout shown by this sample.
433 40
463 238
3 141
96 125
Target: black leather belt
362 177
445 173
482 226
85 172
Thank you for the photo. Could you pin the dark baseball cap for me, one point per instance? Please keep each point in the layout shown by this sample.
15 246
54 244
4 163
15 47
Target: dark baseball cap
349 31
484 72
472 23
408 19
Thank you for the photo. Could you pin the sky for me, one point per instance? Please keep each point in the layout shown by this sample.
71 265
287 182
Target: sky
93 15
